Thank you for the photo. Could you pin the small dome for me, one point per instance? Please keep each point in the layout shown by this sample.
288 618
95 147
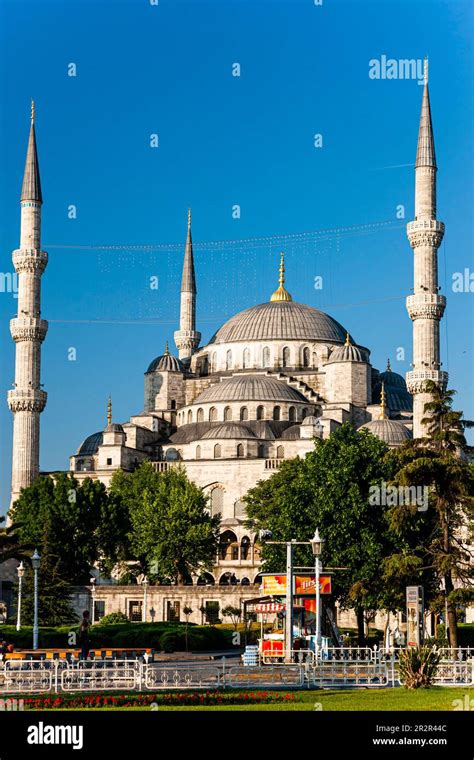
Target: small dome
250 388
90 444
229 430
166 363
114 427
396 392
346 353
310 420
392 432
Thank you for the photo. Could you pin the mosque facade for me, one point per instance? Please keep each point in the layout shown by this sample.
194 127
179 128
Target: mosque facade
271 379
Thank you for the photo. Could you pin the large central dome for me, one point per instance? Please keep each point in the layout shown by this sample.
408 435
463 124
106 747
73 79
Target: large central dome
280 320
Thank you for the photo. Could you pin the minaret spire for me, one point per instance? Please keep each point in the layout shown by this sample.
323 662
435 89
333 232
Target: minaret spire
109 411
187 338
27 400
426 306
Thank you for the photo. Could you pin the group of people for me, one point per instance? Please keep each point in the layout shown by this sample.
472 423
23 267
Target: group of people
6 648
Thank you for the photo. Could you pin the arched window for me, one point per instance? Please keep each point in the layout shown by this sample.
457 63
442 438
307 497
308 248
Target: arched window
198 452
266 357
190 416
228 359
172 455
260 412
239 509
212 414
205 579
245 548
276 413
228 546
227 414
304 414
217 451
173 404
261 450
306 356
245 582
200 415
286 357
280 452
240 449
217 501
244 413
246 358
292 414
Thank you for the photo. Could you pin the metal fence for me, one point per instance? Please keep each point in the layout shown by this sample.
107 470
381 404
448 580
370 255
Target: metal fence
346 671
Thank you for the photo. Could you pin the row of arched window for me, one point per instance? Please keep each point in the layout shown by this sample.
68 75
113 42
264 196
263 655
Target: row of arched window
304 360
240 451
242 414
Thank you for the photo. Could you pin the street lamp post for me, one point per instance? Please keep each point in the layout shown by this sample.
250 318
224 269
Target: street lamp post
21 571
35 563
145 598
316 544
93 582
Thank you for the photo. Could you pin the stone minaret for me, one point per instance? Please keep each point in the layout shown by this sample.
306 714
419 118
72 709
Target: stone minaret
187 338
28 330
426 306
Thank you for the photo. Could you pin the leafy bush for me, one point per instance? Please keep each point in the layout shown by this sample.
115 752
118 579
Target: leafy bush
169 642
418 666
112 618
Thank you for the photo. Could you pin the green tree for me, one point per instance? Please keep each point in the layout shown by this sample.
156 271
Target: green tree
172 531
79 515
330 489
10 545
437 463
54 605
234 613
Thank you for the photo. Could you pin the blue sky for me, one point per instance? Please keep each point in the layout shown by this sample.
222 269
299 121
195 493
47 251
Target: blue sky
224 140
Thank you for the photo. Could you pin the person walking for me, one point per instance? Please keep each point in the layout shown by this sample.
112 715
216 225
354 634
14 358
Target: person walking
84 639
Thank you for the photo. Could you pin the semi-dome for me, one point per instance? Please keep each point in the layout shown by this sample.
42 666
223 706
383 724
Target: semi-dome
346 353
310 420
392 432
90 445
166 363
280 320
250 388
229 430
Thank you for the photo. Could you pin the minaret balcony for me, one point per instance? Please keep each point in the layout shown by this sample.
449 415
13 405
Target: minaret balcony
416 380
28 328
29 260
426 306
27 400
425 232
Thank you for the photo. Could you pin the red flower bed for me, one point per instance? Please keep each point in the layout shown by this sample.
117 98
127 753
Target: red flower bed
155 700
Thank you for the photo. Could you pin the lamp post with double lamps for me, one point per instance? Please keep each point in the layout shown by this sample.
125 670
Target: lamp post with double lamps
316 545
21 571
35 563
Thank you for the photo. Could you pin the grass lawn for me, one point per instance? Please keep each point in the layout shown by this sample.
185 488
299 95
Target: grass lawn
436 698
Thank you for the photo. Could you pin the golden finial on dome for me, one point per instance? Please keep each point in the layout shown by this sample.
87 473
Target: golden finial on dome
109 411
348 340
167 350
281 294
383 413
389 369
